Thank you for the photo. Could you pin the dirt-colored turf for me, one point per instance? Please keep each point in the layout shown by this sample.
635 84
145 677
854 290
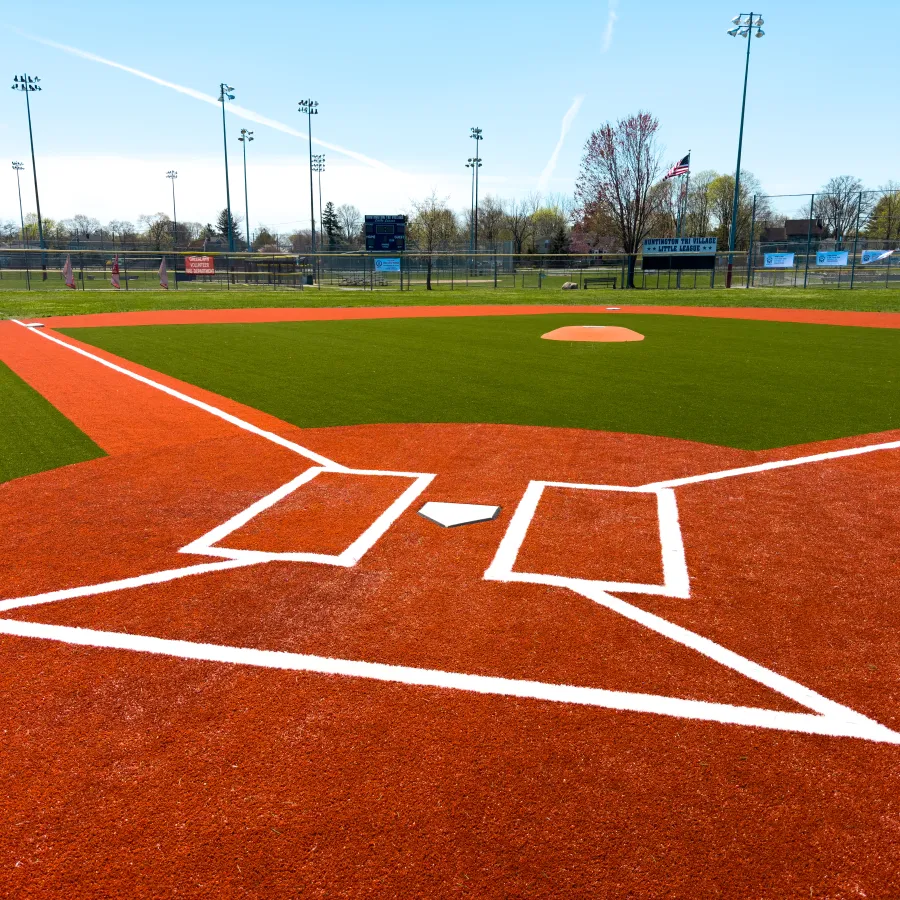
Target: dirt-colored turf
195 316
135 774
601 334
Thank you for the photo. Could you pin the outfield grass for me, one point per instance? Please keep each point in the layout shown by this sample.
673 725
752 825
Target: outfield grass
35 436
743 384
57 303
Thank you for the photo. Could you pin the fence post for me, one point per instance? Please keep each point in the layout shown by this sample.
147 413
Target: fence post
495 271
809 221
125 267
855 240
82 271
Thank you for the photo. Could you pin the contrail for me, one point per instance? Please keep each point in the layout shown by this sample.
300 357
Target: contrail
612 17
241 111
567 121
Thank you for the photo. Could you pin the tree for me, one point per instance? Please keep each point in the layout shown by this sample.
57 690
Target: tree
620 166
698 209
545 225
490 222
81 227
518 220
839 203
158 229
331 225
351 221
222 228
884 222
720 194
263 238
433 227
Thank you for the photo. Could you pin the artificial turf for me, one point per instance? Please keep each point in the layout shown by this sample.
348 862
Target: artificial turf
35 436
746 384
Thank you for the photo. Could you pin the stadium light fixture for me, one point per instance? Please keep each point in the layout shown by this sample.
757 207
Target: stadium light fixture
744 22
245 138
477 135
18 167
172 175
28 85
309 108
225 93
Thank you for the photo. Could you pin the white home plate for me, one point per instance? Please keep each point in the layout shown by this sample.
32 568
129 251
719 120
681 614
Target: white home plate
450 515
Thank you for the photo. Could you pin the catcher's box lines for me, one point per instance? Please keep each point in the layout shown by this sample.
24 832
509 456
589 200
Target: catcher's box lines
826 718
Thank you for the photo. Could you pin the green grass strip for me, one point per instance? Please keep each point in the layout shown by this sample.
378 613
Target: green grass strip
35 436
745 384
63 303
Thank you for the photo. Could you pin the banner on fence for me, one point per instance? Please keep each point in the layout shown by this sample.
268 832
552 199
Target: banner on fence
873 256
200 265
831 258
653 246
387 265
778 261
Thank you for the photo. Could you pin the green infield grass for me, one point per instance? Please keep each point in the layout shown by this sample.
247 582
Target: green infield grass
35 436
746 384
63 303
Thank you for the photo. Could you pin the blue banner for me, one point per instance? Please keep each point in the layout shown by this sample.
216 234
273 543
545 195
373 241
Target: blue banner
831 258
387 265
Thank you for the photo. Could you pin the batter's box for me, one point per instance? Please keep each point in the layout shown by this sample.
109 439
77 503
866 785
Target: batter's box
331 516
629 518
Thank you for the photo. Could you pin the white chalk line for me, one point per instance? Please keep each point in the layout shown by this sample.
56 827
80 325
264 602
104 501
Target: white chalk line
674 567
206 407
769 466
854 726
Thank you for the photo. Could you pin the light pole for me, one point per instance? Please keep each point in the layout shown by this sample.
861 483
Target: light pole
309 108
172 175
472 164
741 25
319 166
245 138
26 84
17 167
476 162
225 94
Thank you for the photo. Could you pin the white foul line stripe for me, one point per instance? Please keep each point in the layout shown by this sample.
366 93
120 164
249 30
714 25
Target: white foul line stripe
769 466
206 407
833 726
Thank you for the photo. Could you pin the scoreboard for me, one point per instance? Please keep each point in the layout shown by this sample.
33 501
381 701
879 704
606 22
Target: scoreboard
386 233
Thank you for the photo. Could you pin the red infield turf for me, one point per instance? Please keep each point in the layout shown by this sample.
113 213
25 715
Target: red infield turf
341 698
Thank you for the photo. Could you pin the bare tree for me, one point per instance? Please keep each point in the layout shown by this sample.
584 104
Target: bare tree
490 221
432 228
158 228
620 166
350 221
698 206
81 227
519 220
839 203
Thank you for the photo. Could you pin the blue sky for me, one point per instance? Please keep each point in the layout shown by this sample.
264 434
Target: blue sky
401 84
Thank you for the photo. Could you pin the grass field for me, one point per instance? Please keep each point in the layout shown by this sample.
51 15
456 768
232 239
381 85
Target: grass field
35 436
56 303
743 384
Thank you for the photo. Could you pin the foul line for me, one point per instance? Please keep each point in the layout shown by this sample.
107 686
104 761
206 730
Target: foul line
830 725
769 466
206 407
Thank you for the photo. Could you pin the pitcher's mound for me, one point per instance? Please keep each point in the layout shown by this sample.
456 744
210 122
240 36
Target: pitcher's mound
605 333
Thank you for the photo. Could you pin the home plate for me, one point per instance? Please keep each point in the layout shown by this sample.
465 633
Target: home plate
449 515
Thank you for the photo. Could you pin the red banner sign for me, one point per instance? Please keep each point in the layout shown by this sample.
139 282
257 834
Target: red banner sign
199 265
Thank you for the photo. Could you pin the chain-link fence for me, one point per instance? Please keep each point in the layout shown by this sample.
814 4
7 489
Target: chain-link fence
864 265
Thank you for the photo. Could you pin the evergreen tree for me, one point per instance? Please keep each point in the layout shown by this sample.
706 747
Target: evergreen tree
331 225
222 229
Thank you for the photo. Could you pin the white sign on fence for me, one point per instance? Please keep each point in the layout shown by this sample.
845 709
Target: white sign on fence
387 265
873 256
779 261
831 258
655 246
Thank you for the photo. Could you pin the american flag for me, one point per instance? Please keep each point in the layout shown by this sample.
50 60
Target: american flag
682 167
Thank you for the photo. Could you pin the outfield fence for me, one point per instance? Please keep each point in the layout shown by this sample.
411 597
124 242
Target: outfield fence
31 269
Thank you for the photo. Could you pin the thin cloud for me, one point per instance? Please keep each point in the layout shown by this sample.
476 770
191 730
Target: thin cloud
567 121
238 110
612 16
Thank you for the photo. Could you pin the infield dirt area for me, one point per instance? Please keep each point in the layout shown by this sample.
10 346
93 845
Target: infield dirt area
237 663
